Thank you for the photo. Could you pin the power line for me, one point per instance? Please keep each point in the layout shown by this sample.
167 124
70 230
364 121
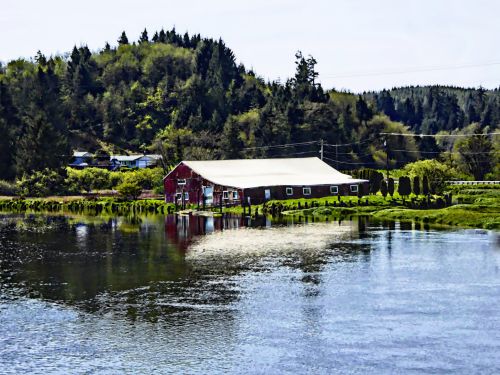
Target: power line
281 146
438 135
412 70
347 144
447 152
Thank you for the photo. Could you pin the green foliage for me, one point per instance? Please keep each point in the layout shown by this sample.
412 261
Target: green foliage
42 183
90 179
383 188
129 189
425 185
476 154
416 185
433 171
404 186
390 186
8 188
185 97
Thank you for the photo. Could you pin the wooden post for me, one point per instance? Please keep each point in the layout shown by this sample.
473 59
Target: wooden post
183 203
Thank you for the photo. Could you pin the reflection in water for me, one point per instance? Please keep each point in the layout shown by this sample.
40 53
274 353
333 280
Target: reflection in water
193 294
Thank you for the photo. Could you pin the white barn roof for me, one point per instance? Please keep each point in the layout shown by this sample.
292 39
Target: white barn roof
249 173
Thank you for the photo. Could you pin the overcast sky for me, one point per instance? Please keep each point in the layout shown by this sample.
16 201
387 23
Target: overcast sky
359 44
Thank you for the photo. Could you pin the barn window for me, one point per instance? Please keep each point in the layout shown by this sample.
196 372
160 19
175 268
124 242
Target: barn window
235 195
306 191
186 196
181 181
334 190
354 188
225 194
289 191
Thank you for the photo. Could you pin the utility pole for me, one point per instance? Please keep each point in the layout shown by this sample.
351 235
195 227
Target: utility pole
337 156
321 150
386 145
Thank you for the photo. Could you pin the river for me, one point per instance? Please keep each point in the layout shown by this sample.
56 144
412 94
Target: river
160 294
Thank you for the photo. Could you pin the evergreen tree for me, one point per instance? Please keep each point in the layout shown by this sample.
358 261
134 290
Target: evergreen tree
362 110
383 188
425 185
476 154
8 123
123 39
416 185
144 37
404 186
43 142
390 186
231 140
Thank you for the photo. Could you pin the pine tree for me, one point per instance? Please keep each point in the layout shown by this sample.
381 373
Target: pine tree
476 154
123 39
231 140
8 123
416 185
362 110
383 188
425 185
43 143
390 186
144 37
404 186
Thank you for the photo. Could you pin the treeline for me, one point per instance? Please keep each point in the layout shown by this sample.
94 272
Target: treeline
129 183
185 97
431 109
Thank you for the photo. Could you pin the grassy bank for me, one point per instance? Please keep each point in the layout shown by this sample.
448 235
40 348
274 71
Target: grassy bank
79 204
474 207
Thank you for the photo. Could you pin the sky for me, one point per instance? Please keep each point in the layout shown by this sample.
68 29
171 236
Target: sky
360 45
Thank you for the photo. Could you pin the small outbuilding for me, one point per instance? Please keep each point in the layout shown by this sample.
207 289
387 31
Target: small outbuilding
255 181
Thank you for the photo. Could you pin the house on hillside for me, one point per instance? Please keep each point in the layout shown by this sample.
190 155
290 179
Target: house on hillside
81 159
254 181
136 161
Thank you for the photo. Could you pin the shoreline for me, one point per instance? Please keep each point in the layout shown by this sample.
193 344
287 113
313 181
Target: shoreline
479 210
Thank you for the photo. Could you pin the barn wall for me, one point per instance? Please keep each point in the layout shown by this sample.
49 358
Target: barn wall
257 195
194 187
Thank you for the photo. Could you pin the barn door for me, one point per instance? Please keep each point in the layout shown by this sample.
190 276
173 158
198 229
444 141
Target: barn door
209 194
267 194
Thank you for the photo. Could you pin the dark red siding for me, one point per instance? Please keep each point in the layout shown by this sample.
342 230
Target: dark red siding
194 187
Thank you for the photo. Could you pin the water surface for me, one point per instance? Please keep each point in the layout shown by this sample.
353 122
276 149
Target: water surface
193 295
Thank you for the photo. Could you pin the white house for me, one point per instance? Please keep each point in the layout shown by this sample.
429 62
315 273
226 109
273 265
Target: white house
136 161
81 159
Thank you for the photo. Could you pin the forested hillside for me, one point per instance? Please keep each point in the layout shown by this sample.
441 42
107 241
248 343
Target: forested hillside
185 97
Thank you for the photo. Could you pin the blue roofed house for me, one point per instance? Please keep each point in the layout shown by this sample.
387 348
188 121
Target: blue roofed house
136 161
81 159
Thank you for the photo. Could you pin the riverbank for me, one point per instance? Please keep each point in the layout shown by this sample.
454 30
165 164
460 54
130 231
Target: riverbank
468 207
472 207
80 204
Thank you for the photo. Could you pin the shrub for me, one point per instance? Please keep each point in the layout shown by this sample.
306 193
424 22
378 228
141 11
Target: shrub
42 183
416 185
8 188
436 172
404 186
390 186
129 190
383 188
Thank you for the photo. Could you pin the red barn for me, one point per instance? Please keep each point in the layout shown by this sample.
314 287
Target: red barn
254 181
